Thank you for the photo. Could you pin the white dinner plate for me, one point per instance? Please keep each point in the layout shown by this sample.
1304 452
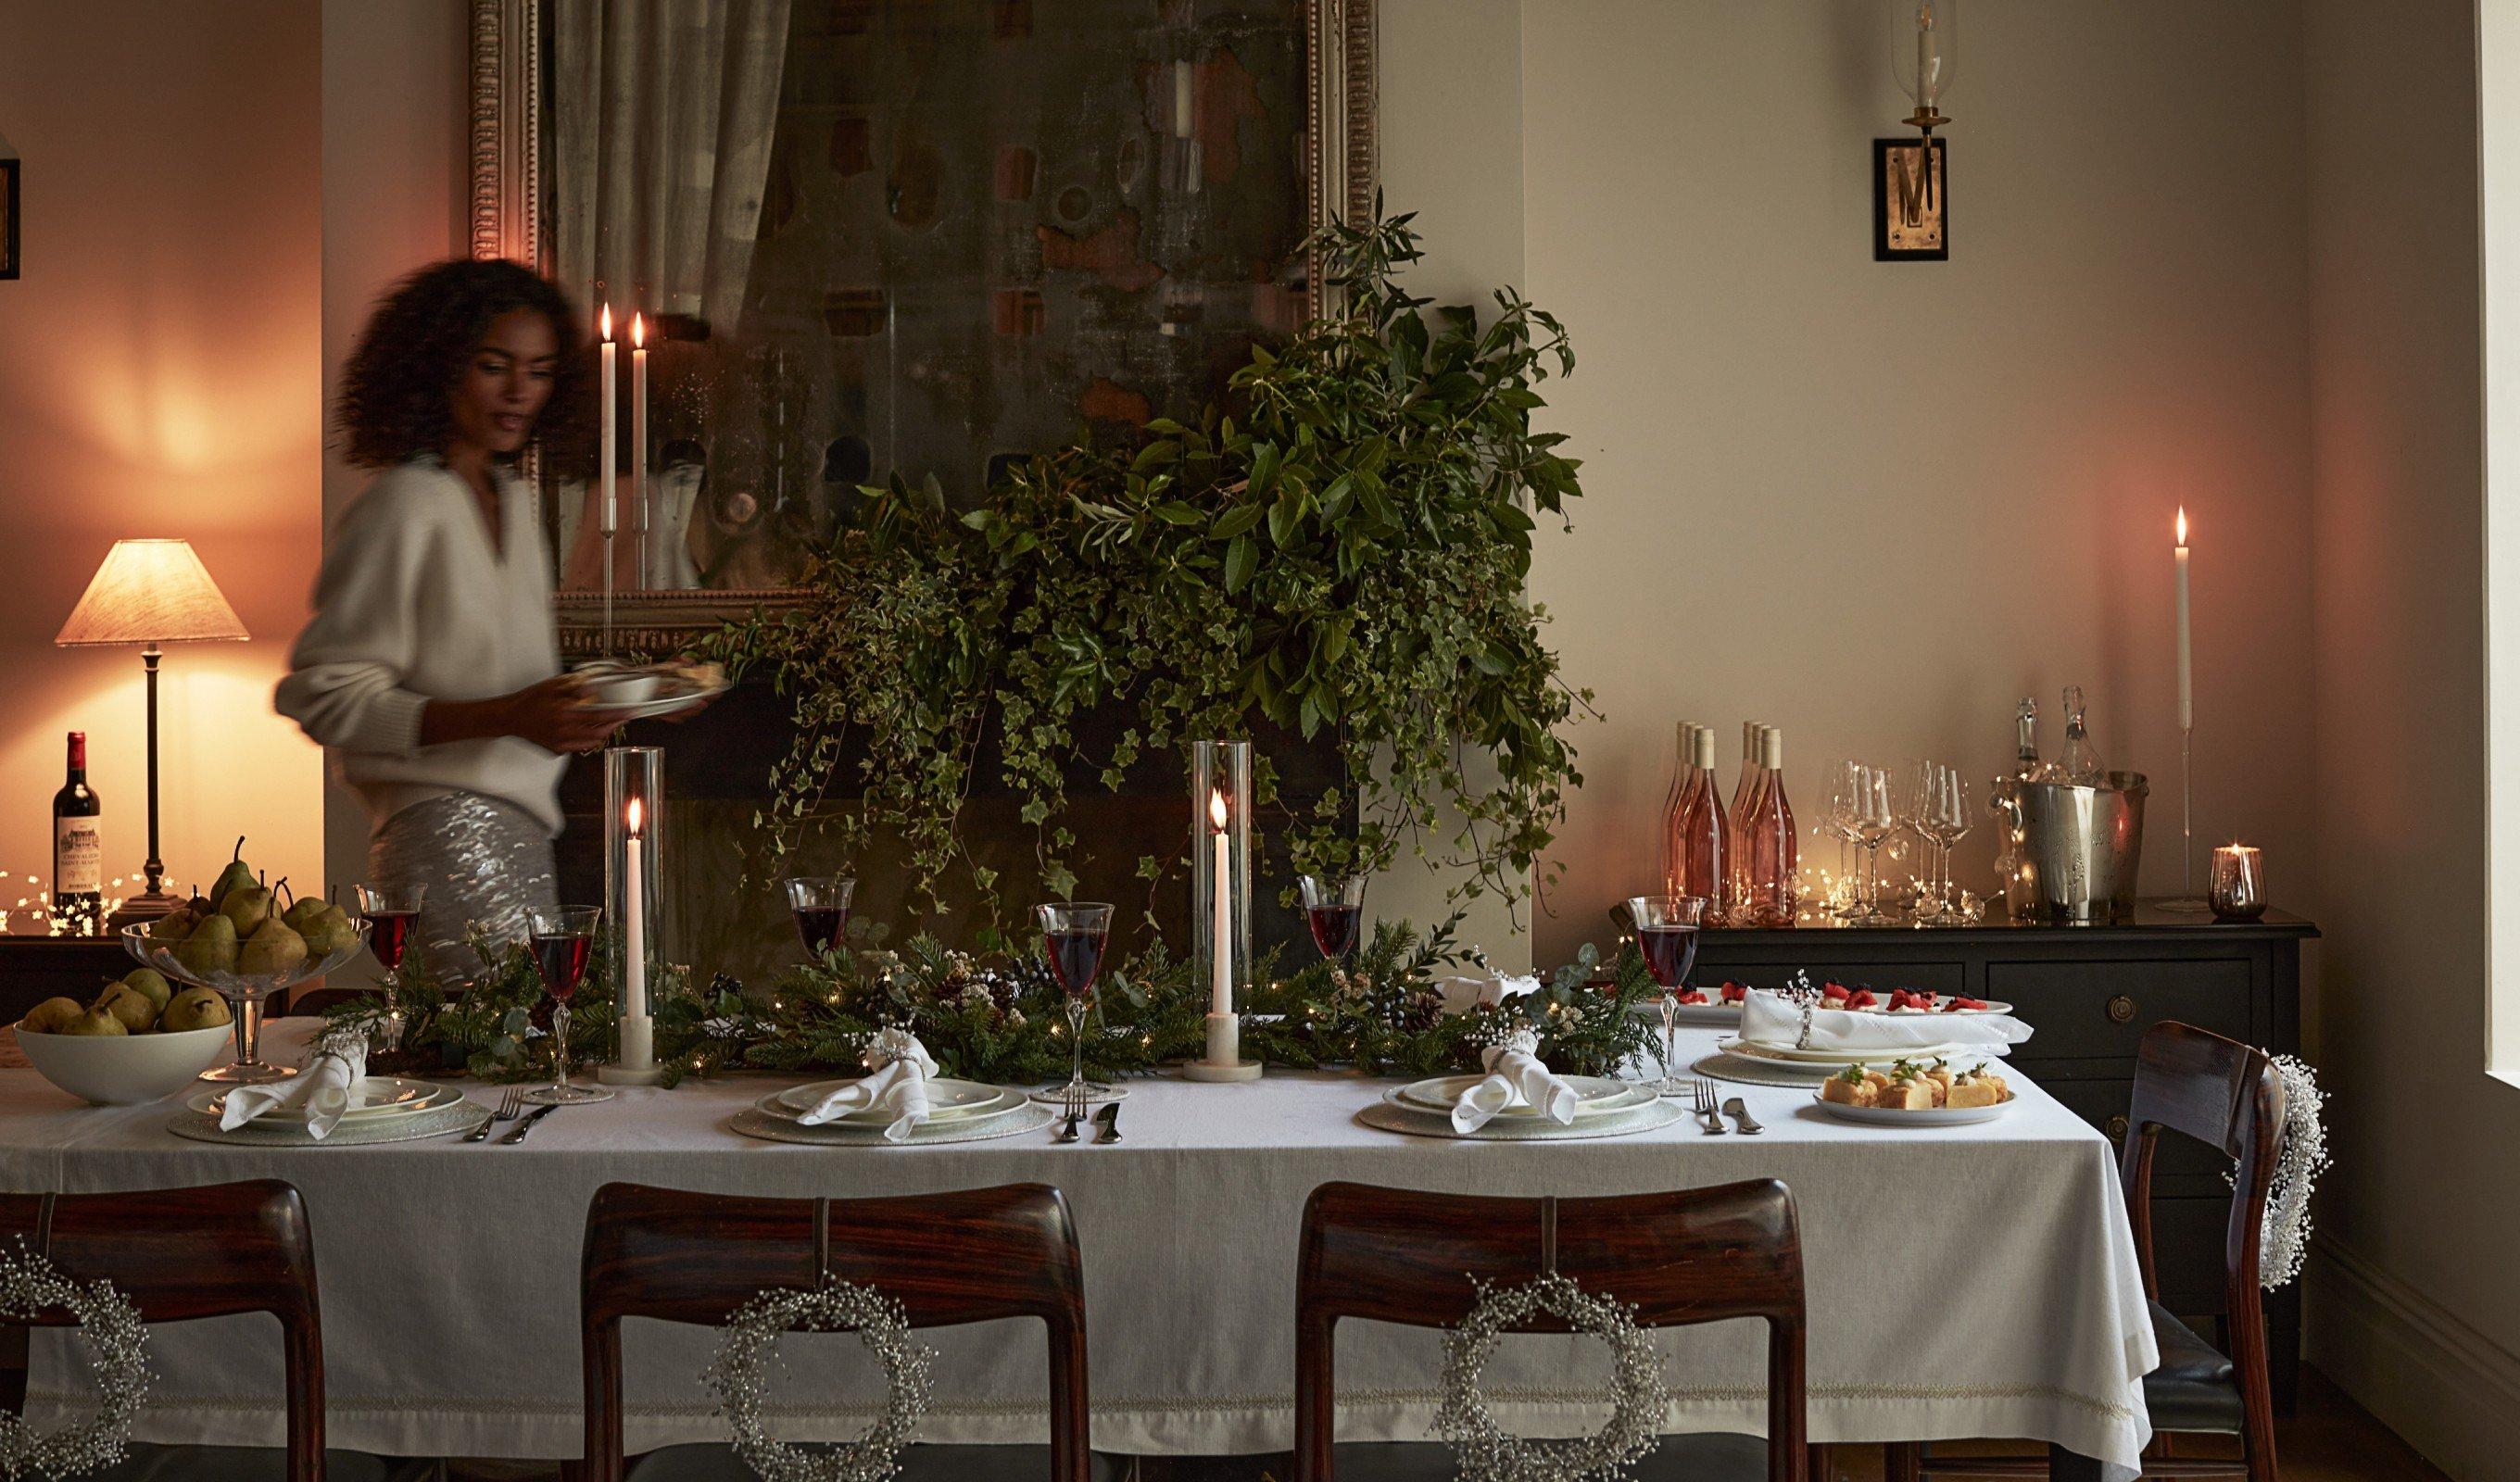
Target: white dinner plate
1839 1059
1888 1116
1594 1094
947 1100
775 1105
670 704
376 1096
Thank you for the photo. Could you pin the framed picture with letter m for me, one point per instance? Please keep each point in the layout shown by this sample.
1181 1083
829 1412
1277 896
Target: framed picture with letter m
8 211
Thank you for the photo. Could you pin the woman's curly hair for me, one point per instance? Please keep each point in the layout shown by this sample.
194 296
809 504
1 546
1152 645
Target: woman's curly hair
397 389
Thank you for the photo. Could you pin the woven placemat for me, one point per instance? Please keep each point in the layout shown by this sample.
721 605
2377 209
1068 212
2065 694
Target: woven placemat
361 1132
1383 1116
753 1122
1743 1071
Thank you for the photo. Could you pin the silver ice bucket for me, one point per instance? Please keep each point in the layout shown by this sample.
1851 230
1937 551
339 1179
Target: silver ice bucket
2071 852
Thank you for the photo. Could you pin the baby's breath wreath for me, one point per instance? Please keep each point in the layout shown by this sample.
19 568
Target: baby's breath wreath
1487 1452
737 1377
116 1342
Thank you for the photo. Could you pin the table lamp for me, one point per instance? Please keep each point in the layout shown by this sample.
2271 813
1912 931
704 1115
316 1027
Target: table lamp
150 592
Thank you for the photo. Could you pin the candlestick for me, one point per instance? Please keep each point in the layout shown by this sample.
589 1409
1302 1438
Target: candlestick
2188 900
1220 898
634 793
604 513
2187 664
1221 924
639 444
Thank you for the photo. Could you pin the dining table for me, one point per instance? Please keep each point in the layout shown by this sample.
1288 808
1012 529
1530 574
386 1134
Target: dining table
1962 1282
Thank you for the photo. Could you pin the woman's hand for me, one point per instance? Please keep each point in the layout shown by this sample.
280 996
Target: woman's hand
553 714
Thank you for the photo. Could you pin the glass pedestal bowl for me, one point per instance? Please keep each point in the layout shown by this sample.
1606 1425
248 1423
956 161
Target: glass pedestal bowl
244 991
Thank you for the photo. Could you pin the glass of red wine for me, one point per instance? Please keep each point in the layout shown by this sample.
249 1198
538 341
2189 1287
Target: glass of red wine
1335 910
1073 934
1666 928
563 938
392 914
821 904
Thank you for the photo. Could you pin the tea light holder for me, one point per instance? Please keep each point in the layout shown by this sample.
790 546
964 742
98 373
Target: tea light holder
633 855
2236 886
1220 886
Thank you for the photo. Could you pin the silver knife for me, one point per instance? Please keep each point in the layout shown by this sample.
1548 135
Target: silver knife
1740 1117
1109 1120
528 1125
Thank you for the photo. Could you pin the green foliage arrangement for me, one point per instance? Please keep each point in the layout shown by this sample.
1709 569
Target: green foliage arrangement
1338 547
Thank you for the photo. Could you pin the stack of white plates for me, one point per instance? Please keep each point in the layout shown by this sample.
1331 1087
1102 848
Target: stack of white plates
948 1101
1596 1096
377 1099
1824 1064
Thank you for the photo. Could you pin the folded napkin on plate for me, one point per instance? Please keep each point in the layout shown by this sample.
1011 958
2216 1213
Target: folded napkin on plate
1767 1019
333 1069
896 1081
1515 1078
1463 993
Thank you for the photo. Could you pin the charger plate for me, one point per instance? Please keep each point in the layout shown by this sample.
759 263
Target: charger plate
1389 1116
1747 1072
770 1127
437 1122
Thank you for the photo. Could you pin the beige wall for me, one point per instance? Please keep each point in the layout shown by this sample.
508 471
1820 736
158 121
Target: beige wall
159 367
2407 1309
1877 503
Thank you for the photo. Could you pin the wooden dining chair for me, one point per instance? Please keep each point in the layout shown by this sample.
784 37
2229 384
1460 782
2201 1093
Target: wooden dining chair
969 1256
2229 1097
1700 1255
185 1253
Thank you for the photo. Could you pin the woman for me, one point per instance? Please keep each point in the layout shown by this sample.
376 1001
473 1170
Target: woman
432 665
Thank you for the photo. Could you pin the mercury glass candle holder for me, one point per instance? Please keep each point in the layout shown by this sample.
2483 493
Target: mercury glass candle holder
2236 887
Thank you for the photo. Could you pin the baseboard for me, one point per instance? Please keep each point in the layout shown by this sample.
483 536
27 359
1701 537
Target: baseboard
2452 1392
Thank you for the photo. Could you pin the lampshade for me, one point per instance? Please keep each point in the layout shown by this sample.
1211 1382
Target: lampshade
150 592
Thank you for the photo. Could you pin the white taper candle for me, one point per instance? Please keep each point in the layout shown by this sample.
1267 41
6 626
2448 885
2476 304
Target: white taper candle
2187 662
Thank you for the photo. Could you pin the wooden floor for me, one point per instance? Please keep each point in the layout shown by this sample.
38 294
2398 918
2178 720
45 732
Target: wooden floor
2331 1439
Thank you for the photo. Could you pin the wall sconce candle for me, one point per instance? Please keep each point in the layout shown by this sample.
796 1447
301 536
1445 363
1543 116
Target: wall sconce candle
1911 181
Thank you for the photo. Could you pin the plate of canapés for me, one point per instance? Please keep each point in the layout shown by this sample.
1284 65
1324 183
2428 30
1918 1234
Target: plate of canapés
1915 1093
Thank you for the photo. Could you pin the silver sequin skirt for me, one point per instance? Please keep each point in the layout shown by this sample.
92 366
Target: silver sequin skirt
485 862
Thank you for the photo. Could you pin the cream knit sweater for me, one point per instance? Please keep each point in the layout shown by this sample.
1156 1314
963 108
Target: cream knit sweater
414 604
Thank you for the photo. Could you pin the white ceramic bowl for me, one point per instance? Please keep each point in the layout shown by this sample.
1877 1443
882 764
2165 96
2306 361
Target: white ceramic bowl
126 1069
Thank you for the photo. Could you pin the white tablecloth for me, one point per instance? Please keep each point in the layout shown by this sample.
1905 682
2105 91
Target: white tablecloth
1965 1282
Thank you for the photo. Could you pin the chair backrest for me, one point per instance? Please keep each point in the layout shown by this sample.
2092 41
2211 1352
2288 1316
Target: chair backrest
1700 1255
185 1253
969 1256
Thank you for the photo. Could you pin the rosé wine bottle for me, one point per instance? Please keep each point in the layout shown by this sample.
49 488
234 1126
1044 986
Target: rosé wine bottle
1702 836
1769 854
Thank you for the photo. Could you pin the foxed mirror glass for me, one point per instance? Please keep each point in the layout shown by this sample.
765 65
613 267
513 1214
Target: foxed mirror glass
867 236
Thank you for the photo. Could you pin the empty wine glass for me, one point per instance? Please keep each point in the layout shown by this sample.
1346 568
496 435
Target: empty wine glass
1073 934
1334 911
1920 798
1951 822
1873 820
1666 928
820 903
1839 820
564 939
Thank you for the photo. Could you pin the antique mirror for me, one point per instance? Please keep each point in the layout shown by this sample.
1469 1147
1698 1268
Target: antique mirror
864 236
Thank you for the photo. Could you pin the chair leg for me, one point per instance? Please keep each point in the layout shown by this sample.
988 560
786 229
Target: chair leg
1903 1462
1816 1463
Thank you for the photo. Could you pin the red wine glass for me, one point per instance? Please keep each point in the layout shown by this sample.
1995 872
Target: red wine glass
1334 911
1073 934
821 904
1666 928
563 938
392 914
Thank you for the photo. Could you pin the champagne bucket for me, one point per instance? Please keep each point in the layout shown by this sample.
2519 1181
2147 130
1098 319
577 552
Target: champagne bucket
2072 851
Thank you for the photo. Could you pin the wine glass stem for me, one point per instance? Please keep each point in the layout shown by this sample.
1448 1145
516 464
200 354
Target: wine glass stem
248 1029
1076 1038
559 1046
1670 1033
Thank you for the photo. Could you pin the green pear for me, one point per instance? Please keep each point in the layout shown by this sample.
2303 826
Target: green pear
331 932
174 926
247 908
303 911
95 1022
198 906
273 949
212 948
151 982
236 874
129 1005
50 1016
194 1009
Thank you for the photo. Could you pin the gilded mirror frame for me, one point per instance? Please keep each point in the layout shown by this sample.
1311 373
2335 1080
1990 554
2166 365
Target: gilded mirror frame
509 190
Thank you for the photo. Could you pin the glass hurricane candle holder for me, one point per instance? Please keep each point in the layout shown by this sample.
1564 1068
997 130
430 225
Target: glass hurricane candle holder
634 856
1220 883
2237 888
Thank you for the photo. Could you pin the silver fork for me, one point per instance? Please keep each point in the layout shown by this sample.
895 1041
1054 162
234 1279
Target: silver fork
511 1101
1701 1093
1072 1112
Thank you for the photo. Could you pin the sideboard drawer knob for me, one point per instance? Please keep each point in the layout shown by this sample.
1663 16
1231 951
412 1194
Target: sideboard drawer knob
2121 1010
2116 1128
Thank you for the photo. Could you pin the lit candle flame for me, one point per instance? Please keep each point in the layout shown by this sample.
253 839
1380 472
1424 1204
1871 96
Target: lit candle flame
605 323
638 331
1216 808
2182 525
633 815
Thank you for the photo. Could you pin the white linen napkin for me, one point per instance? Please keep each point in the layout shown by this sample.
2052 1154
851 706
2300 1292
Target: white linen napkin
333 1068
896 1081
1767 1019
1464 992
1515 1078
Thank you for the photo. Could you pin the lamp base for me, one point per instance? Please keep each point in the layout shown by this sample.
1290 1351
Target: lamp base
142 909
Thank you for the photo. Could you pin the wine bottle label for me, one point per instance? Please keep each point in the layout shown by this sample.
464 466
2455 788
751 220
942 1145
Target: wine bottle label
78 856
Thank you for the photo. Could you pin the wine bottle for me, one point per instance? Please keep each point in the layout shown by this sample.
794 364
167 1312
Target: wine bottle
1704 844
1675 803
1737 849
2080 762
79 849
2025 744
1769 854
